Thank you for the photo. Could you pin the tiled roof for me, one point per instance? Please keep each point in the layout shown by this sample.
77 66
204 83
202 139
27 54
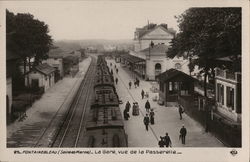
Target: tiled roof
143 32
45 69
171 73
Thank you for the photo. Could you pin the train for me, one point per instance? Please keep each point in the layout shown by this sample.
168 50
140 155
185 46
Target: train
104 123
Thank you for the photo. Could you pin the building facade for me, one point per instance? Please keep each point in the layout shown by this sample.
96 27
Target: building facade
41 76
158 34
228 94
152 45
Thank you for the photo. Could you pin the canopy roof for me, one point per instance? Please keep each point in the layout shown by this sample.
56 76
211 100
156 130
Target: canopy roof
133 59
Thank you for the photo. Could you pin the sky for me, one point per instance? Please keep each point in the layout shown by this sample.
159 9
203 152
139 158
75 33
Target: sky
109 19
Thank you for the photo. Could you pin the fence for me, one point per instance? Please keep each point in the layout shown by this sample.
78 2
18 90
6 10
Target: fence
227 132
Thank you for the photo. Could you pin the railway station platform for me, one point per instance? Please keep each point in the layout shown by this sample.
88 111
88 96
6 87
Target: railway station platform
43 117
166 118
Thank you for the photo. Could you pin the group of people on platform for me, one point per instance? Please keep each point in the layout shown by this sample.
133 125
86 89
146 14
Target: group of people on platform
166 141
144 94
149 118
135 110
136 83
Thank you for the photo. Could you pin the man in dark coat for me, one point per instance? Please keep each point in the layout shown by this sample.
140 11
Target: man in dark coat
167 141
142 94
152 117
147 106
161 143
180 109
146 121
130 84
183 133
127 106
116 70
116 80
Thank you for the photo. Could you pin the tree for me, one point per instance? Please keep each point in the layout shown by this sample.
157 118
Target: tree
27 37
206 34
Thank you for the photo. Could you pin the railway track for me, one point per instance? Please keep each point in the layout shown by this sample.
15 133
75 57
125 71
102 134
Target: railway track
72 127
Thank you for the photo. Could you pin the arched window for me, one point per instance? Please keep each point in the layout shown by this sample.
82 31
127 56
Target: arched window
177 66
157 69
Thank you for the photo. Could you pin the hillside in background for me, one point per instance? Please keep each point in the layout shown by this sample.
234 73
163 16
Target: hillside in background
100 44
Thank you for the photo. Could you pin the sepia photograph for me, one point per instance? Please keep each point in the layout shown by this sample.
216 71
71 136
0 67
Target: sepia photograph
143 77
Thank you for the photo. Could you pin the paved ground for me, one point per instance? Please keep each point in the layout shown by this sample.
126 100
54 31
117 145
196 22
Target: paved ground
166 118
40 115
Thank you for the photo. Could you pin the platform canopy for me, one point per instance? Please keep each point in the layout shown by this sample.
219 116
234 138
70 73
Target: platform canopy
132 59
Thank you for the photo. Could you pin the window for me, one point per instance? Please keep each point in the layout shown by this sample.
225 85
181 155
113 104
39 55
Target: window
157 69
220 93
177 66
230 97
170 86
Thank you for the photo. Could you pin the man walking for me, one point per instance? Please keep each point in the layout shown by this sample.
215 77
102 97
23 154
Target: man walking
130 84
183 133
146 121
180 109
127 106
142 94
147 106
167 141
116 80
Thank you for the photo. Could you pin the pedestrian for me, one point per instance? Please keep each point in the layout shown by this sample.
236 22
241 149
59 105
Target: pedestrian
135 83
167 141
142 94
152 118
146 121
135 110
116 70
146 95
127 106
116 80
180 109
147 106
130 84
183 133
161 143
138 82
125 114
111 71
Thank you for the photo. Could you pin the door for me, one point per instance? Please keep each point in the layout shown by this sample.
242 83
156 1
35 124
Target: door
35 83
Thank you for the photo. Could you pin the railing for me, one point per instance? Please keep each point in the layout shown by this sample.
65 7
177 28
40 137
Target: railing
228 75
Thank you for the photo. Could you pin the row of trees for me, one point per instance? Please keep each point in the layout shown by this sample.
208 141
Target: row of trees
27 37
206 34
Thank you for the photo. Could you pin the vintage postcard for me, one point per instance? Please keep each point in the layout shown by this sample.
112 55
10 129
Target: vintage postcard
124 80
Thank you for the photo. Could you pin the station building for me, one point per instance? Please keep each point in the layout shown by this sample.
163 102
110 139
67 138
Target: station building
41 76
151 45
